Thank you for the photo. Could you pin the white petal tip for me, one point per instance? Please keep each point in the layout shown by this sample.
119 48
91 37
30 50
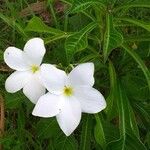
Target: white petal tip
35 49
36 39
7 53
47 106
9 90
90 64
34 101
67 133
10 48
10 86
34 113
102 106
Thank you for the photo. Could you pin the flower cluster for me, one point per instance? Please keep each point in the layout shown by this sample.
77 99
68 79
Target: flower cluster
68 94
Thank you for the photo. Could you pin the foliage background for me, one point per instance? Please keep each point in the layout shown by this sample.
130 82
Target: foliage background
114 34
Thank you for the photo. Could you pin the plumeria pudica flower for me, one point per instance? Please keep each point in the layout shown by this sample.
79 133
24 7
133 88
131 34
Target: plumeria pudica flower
69 95
27 65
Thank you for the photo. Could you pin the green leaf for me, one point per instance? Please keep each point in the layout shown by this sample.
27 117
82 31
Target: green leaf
47 128
128 139
21 125
147 141
81 5
89 57
13 101
140 62
138 83
137 3
85 142
78 41
143 112
142 24
125 112
111 131
137 38
1 55
111 99
124 107
131 143
127 121
37 25
63 142
21 119
55 38
112 38
12 23
99 132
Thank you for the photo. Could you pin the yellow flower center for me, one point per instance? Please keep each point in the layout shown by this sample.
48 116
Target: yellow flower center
68 91
35 68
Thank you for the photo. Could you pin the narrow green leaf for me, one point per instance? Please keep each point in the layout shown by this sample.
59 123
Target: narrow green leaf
62 142
21 119
13 101
78 41
47 128
1 55
128 139
133 121
112 38
85 142
126 115
140 62
137 3
127 122
137 38
37 25
144 25
89 57
131 143
21 125
12 23
143 114
79 6
55 38
99 132
111 100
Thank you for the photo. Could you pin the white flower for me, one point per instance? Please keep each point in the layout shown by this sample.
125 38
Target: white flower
69 95
27 66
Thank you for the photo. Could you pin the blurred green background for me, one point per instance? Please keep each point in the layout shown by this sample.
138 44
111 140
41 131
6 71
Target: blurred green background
115 35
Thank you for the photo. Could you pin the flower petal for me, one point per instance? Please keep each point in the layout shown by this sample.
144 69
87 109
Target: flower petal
70 115
53 78
82 75
17 81
92 101
34 90
14 58
35 50
47 106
